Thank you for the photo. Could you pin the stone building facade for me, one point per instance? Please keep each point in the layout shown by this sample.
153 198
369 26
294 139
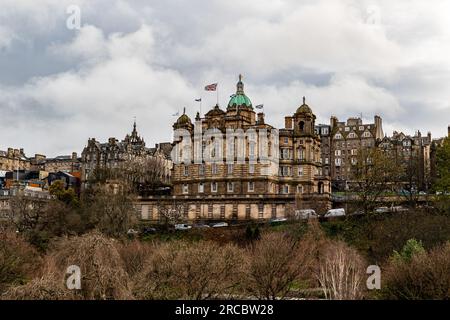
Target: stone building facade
67 164
345 141
413 153
112 154
14 159
242 167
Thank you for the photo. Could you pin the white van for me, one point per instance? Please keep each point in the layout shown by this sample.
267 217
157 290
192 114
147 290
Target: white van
305 214
335 213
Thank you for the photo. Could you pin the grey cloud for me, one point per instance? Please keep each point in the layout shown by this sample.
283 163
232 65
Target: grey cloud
149 59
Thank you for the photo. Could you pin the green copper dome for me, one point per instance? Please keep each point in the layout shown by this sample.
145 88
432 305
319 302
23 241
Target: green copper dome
240 99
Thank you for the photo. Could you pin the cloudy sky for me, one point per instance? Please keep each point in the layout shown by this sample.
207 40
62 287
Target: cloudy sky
149 59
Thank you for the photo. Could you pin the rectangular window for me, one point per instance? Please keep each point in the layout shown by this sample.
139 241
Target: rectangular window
201 187
286 171
327 160
222 211
214 168
210 211
185 189
251 168
252 150
201 170
261 210
274 210
186 170
230 186
230 169
300 171
213 186
286 140
251 186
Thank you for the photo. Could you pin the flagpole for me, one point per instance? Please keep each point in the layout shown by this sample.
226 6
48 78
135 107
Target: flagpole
217 94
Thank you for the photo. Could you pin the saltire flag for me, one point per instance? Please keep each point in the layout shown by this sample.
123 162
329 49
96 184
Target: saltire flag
176 114
211 87
198 100
233 95
259 106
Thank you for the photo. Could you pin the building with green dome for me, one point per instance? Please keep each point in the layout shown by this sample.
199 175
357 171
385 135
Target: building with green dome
251 189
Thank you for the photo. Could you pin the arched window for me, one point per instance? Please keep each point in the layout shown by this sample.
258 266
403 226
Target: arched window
301 153
301 126
320 187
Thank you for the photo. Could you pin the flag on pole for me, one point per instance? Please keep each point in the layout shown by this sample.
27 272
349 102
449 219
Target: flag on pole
233 95
198 100
211 87
176 114
259 106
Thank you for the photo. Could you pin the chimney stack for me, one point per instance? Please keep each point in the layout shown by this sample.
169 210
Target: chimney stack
288 122
261 118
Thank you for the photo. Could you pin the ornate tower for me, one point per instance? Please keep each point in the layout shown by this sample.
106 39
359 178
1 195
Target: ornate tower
304 121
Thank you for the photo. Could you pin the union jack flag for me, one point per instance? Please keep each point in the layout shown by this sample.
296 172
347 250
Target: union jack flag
211 87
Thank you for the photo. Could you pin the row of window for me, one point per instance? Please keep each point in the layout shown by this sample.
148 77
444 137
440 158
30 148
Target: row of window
284 189
352 152
215 169
214 187
352 135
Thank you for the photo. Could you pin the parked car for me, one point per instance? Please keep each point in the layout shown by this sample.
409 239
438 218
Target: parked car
335 213
132 232
148 230
182 226
278 220
220 225
382 210
305 214
399 209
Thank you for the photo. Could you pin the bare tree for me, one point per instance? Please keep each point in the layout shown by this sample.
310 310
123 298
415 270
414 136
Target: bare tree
103 274
373 174
145 174
202 270
276 262
111 210
171 213
341 272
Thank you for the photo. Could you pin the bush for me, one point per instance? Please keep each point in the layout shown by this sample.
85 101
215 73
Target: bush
19 261
276 263
44 288
134 254
103 274
425 276
201 270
